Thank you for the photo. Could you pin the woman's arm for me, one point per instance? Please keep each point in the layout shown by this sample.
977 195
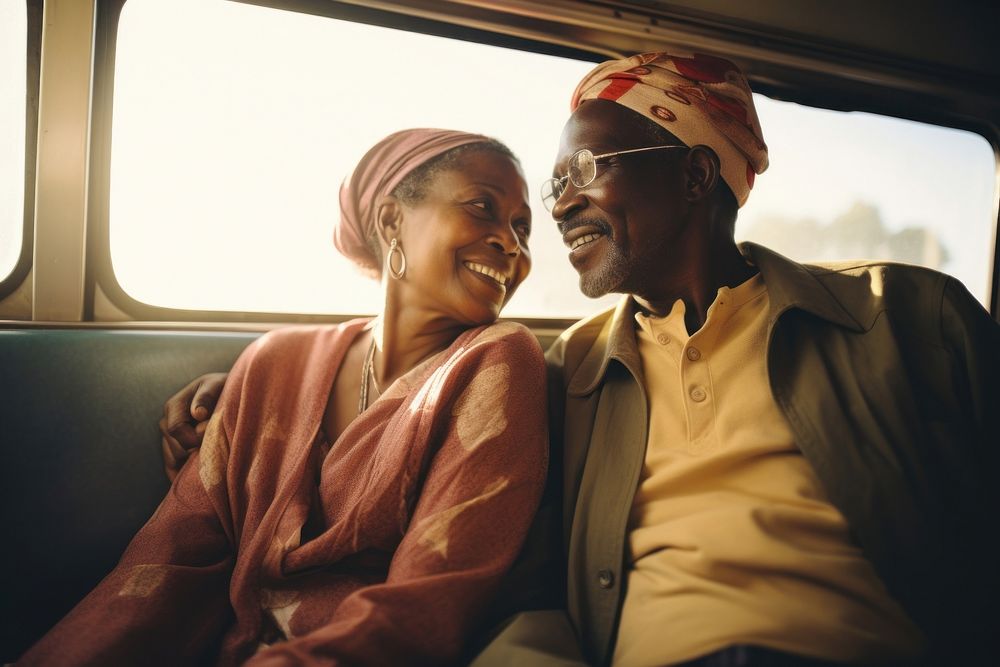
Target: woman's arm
477 501
165 601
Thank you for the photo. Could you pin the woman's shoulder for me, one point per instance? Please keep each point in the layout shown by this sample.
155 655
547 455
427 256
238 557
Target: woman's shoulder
510 343
507 335
302 341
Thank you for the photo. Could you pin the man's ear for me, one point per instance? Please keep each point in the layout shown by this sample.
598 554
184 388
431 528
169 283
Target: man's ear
388 218
702 173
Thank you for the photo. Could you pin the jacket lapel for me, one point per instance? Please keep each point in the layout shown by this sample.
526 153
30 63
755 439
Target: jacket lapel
606 424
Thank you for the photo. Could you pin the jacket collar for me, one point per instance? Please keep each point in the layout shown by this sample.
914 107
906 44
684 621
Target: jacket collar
789 285
793 285
614 340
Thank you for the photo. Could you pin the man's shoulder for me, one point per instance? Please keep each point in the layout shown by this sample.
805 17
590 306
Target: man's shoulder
865 269
880 285
839 272
846 271
852 292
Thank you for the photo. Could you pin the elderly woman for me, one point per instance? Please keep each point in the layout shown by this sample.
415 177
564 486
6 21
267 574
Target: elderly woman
361 488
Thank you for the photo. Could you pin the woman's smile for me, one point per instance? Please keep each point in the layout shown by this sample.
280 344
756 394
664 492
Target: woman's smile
497 278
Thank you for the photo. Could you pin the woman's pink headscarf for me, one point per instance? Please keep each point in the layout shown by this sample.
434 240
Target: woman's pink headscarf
378 173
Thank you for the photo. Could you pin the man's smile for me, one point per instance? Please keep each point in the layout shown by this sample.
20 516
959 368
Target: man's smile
577 234
586 238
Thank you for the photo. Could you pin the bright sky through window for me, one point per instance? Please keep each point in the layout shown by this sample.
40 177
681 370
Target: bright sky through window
13 41
234 125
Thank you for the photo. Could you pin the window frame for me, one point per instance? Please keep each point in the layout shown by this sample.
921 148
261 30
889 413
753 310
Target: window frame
913 94
25 261
100 272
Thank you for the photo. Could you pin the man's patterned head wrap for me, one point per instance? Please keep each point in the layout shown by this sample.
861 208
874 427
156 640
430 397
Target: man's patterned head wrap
700 99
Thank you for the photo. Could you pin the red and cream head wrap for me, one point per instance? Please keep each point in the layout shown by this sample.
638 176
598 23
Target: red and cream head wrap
382 168
700 99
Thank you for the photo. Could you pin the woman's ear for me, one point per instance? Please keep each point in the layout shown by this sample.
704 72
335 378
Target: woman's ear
388 218
702 173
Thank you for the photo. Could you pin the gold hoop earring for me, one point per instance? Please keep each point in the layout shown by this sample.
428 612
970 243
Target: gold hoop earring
395 247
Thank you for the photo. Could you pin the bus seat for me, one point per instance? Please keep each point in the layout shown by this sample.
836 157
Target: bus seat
81 463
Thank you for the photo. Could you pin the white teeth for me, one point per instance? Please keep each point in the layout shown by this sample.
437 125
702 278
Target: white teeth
586 238
487 271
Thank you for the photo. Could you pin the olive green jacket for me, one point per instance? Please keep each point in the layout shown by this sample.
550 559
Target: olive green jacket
889 377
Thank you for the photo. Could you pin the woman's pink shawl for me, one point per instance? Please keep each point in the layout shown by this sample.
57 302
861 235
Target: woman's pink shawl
423 503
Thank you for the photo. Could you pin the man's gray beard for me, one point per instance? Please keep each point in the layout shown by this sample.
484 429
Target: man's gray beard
609 276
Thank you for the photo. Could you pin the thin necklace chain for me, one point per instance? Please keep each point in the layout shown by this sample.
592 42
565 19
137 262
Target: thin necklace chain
368 375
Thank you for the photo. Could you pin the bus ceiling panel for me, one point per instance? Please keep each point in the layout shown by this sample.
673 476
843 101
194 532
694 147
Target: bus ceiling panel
781 45
950 36
447 19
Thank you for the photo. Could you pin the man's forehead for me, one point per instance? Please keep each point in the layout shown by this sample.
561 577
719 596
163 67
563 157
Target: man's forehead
597 125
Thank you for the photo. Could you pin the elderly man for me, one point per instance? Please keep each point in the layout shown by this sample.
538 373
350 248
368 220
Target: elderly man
764 463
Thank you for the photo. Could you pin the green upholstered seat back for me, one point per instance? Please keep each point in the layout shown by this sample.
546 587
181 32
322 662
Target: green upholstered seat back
80 469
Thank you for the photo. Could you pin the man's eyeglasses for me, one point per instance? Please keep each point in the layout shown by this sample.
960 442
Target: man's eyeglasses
582 172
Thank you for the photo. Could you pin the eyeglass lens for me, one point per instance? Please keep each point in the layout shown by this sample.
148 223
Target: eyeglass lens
582 171
582 168
552 189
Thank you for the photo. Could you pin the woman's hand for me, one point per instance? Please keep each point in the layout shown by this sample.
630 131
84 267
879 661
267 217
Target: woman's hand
185 416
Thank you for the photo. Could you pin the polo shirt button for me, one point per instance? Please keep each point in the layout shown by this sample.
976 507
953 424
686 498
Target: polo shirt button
698 395
693 353
663 339
606 578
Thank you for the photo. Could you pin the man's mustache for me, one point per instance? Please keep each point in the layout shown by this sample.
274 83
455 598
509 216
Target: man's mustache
566 226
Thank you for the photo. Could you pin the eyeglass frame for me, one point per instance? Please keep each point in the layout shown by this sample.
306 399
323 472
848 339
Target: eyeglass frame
559 182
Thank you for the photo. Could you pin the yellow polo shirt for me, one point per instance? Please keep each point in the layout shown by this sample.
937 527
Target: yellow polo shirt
732 540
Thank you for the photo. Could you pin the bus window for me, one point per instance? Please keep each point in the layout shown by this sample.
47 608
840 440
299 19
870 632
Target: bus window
13 73
229 146
234 125
858 185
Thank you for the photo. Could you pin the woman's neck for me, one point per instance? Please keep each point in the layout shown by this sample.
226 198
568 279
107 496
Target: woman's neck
404 338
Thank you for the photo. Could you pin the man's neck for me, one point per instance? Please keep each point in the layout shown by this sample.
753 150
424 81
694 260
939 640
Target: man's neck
697 284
